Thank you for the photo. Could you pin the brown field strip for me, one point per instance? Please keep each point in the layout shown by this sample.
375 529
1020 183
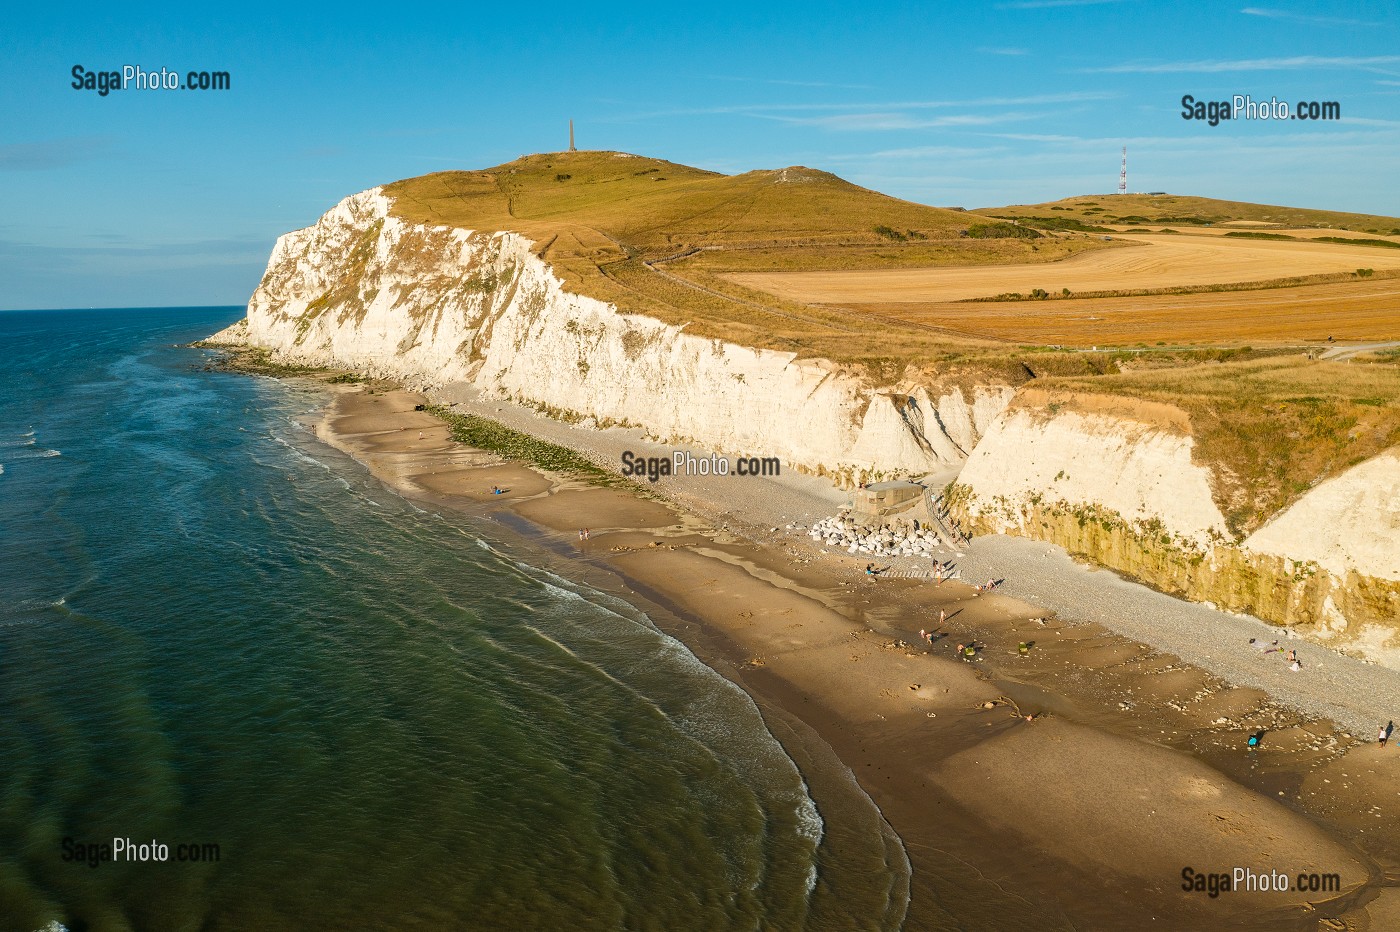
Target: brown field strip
1361 311
1161 262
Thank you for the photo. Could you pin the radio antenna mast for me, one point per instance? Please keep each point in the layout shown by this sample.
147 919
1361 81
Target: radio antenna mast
1122 173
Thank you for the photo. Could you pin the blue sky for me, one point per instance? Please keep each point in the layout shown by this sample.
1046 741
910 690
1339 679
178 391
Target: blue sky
175 197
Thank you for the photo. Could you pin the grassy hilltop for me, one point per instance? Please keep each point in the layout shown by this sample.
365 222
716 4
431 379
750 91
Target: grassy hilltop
653 237
658 238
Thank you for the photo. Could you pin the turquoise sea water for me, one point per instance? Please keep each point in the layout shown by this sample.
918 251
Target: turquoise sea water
215 630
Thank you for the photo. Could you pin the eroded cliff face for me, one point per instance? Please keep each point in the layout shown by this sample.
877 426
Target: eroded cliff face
1125 492
430 306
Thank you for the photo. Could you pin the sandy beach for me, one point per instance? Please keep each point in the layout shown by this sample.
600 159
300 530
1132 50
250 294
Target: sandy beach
1131 768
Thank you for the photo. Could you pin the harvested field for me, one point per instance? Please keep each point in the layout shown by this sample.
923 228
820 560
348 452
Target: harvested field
1159 262
1361 311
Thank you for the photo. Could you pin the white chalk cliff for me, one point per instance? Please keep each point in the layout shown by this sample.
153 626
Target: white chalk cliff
1129 494
1140 471
1116 481
432 306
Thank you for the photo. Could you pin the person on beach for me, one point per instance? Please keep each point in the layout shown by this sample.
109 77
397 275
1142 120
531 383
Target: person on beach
1295 666
942 616
420 435
1381 738
587 533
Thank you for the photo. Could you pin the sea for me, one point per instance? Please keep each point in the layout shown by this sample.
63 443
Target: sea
243 685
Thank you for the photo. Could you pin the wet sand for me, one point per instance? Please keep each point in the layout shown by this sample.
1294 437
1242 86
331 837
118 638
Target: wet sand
1083 817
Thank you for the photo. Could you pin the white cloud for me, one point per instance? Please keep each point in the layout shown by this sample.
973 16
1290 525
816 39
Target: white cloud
54 153
1290 17
1050 4
849 122
889 106
1246 64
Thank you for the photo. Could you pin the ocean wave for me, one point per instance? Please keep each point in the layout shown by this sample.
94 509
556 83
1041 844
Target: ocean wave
710 723
299 454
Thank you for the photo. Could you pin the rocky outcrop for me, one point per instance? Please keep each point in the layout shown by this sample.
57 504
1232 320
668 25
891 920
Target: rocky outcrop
1124 490
431 306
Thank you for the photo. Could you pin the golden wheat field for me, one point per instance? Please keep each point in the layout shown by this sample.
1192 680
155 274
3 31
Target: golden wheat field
1359 310
1153 262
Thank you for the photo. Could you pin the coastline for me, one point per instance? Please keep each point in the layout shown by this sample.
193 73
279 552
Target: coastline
1093 839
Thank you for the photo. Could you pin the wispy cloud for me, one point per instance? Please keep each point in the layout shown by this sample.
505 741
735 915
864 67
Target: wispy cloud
1246 64
890 106
1051 4
925 152
851 122
123 247
847 87
782 82
53 153
986 50
1291 17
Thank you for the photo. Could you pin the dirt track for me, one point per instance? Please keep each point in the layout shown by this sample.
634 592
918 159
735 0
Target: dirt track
1162 261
